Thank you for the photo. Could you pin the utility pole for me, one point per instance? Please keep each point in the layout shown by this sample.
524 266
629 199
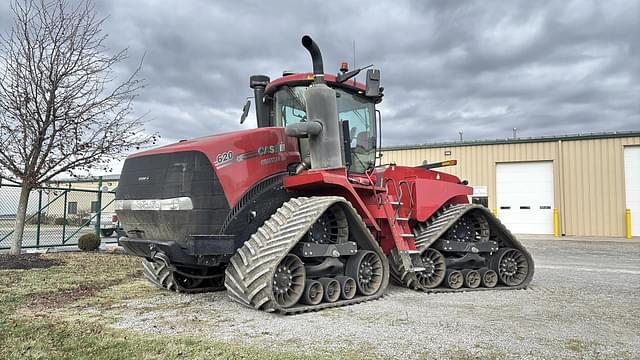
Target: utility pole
514 132
460 133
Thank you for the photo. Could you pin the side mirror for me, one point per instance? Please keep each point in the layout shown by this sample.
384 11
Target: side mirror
245 111
373 82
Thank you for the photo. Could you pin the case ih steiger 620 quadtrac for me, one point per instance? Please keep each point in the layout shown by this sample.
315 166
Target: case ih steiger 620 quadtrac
295 215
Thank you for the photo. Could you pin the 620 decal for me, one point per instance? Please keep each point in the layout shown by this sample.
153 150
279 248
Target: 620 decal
224 157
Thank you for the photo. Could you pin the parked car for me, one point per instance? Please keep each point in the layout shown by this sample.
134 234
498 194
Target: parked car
109 223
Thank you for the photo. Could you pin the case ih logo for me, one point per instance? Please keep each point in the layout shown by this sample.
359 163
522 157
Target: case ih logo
272 149
225 158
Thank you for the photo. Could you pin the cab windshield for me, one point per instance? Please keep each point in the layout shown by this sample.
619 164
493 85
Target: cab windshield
289 108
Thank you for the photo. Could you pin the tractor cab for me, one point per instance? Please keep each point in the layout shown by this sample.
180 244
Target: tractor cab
281 103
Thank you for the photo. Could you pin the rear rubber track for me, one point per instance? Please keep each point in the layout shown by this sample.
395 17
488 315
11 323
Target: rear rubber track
429 232
161 275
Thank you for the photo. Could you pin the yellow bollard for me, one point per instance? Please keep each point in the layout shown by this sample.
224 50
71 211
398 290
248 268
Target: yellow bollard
627 215
556 228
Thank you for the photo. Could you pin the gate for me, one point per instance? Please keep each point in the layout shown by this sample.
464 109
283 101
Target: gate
56 216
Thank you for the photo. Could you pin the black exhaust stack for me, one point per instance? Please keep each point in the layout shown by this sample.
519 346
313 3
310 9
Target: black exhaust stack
316 58
259 83
322 126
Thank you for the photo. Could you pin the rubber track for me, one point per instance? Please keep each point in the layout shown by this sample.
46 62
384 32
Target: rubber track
161 275
429 232
399 274
249 275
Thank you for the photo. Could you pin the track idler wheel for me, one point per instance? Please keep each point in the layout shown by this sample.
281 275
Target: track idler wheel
348 287
331 289
313 292
435 269
489 278
472 278
454 279
511 265
367 268
289 281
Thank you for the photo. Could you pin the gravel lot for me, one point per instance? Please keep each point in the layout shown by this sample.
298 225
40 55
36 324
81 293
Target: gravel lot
583 302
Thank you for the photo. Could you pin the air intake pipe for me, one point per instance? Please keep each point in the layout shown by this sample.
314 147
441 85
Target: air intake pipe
322 126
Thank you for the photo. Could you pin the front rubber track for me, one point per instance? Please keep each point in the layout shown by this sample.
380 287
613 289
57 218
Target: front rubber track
249 275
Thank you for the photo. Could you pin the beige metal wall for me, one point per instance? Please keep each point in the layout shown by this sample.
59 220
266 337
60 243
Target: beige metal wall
84 199
589 187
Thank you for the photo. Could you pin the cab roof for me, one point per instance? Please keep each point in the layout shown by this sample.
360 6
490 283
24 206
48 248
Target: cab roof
307 78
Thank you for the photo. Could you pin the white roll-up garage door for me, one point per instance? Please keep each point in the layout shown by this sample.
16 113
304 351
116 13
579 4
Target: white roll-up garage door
632 185
524 196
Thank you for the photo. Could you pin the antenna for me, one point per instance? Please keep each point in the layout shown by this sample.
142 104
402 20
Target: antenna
354 61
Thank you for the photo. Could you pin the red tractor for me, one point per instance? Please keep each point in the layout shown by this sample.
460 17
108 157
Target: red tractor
296 215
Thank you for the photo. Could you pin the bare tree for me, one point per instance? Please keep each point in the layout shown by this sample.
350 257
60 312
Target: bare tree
61 109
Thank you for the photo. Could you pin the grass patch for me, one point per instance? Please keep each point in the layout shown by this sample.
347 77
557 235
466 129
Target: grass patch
58 313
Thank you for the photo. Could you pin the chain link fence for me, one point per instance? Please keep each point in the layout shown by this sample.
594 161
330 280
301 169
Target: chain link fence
57 216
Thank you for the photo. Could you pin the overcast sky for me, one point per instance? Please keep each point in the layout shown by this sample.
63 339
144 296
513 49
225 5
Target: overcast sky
483 67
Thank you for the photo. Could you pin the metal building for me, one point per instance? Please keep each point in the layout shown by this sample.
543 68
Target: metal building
590 180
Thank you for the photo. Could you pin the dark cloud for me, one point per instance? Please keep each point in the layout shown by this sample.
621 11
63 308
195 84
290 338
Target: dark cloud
544 67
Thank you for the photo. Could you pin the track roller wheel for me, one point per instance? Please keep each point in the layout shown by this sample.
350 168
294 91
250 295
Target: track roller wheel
489 278
331 289
472 278
288 281
511 265
454 279
347 287
313 292
366 268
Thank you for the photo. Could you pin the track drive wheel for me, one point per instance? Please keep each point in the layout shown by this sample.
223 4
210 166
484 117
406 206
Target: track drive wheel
366 267
331 227
471 227
511 265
